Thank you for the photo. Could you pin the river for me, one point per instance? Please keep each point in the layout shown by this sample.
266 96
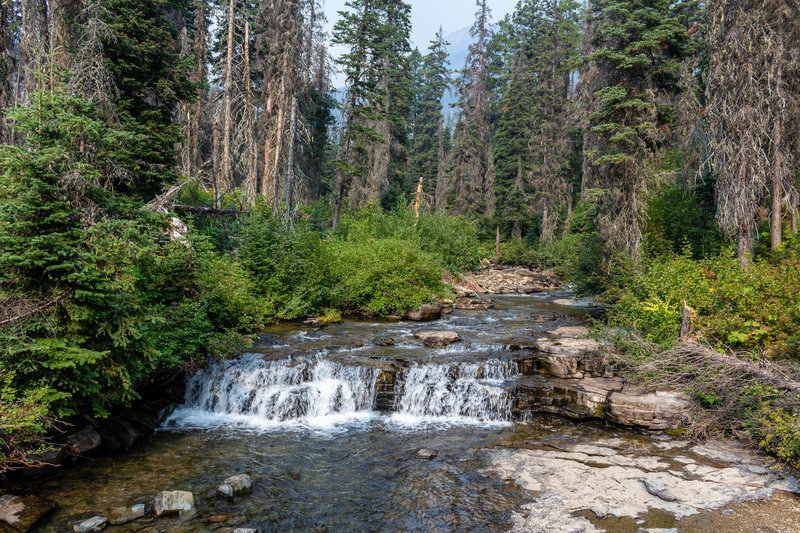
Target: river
359 427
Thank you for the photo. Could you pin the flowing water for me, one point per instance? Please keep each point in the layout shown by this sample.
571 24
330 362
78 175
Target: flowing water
330 422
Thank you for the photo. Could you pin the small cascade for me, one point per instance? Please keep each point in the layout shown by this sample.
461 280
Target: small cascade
456 392
313 391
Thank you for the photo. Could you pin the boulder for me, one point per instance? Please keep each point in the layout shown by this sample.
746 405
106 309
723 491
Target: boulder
656 411
85 442
425 313
123 515
383 341
92 525
176 502
437 339
238 485
567 346
21 513
560 366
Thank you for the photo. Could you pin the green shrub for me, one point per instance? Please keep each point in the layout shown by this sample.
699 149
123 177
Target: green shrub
384 276
23 421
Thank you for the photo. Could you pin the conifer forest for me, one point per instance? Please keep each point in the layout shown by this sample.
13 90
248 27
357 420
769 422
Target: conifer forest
182 179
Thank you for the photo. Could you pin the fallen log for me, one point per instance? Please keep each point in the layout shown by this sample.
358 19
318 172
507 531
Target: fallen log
209 210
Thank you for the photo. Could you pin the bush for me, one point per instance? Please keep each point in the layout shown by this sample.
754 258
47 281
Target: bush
384 276
23 421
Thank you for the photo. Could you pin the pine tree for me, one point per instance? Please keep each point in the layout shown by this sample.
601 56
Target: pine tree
635 52
470 187
376 102
434 79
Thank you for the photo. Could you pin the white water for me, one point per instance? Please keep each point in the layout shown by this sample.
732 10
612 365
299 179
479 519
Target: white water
311 392
320 394
456 393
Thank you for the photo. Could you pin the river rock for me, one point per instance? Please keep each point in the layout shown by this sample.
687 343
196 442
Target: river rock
23 512
427 454
92 525
425 313
384 341
437 339
123 515
656 411
473 304
85 442
238 485
176 502
567 346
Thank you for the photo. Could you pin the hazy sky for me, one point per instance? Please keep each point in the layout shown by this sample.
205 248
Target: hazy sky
428 15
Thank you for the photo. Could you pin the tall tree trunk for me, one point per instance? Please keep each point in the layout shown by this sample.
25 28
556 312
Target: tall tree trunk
227 158
276 163
777 188
440 185
251 146
290 163
215 161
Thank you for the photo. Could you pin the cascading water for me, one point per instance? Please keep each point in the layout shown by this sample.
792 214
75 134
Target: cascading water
311 391
456 392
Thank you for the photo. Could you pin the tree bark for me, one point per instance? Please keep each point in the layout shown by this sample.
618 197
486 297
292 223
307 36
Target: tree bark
776 221
290 163
227 168
215 161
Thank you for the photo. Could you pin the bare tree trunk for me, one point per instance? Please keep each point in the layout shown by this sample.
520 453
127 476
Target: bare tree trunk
276 164
777 189
251 146
290 163
215 161
227 167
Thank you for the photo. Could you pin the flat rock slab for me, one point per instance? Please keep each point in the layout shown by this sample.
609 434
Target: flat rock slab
573 332
23 512
611 478
438 339
656 411
567 346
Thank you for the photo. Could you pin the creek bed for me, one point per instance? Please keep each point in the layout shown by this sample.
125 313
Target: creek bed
301 416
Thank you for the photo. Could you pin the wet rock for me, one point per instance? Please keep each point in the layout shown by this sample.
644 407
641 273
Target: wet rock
85 442
176 502
657 488
656 411
425 313
21 513
235 486
385 390
123 515
473 304
245 530
577 399
384 341
560 366
217 518
427 454
92 525
567 346
438 339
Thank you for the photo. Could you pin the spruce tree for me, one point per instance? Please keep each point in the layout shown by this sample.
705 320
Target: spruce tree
635 52
470 187
434 79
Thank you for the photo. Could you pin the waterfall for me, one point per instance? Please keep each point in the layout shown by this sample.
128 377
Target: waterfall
311 391
456 392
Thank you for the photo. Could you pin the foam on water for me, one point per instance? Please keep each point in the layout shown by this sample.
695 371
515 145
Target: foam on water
456 393
308 392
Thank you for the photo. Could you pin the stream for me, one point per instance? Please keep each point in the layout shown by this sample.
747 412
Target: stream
359 427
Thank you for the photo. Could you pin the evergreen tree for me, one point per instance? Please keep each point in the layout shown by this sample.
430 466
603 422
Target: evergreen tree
470 187
434 79
635 52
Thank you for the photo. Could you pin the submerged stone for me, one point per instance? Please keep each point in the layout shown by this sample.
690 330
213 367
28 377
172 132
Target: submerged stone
23 512
427 454
92 525
123 515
